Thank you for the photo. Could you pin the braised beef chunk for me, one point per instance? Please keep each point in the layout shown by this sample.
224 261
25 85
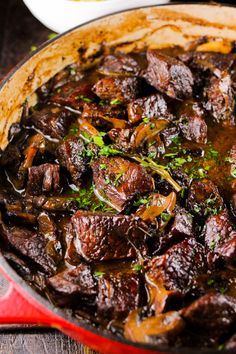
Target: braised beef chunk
119 64
212 315
169 75
169 134
120 180
74 94
101 236
71 156
29 244
177 268
183 224
204 198
96 112
204 61
43 179
148 107
73 286
192 123
219 96
118 294
217 230
121 89
226 253
52 120
122 138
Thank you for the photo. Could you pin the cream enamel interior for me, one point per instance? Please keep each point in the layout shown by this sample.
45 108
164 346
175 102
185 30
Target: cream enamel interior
132 30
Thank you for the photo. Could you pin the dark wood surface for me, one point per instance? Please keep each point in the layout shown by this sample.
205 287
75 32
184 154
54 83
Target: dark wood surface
19 31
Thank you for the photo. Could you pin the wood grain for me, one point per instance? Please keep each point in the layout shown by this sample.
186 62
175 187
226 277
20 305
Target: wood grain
40 342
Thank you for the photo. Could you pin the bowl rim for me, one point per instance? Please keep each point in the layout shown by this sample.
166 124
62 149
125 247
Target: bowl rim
33 293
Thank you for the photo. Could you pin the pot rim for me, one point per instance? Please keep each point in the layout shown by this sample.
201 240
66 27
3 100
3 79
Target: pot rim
33 293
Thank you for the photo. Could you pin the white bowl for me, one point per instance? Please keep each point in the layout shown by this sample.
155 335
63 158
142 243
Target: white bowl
61 15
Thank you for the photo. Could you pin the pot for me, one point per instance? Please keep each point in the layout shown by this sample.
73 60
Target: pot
137 29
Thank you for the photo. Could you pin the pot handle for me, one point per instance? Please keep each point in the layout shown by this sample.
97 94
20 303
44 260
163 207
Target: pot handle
17 309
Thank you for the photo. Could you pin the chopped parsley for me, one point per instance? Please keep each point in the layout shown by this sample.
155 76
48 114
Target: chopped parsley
165 217
87 200
52 35
84 98
99 274
102 166
117 179
115 102
210 282
137 267
146 120
33 48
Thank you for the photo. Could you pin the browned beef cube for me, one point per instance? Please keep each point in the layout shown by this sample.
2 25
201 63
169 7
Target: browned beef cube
122 138
30 244
204 61
192 123
95 111
122 89
118 294
101 236
52 120
213 315
148 107
183 224
204 198
176 269
70 154
119 64
120 180
43 179
219 97
169 134
73 286
169 75
74 94
217 230
224 254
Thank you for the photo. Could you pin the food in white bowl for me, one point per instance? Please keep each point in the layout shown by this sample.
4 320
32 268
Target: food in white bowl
61 15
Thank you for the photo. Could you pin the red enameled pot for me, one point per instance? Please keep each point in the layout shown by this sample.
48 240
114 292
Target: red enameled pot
137 29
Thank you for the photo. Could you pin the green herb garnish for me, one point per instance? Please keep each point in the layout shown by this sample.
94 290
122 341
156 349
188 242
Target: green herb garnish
99 274
165 217
52 35
115 102
137 267
84 98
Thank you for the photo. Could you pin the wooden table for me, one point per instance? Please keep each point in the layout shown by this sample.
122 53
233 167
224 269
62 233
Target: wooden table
19 31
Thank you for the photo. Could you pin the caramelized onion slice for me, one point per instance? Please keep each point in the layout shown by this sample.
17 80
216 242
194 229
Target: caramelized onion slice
166 326
88 128
159 203
148 131
116 122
